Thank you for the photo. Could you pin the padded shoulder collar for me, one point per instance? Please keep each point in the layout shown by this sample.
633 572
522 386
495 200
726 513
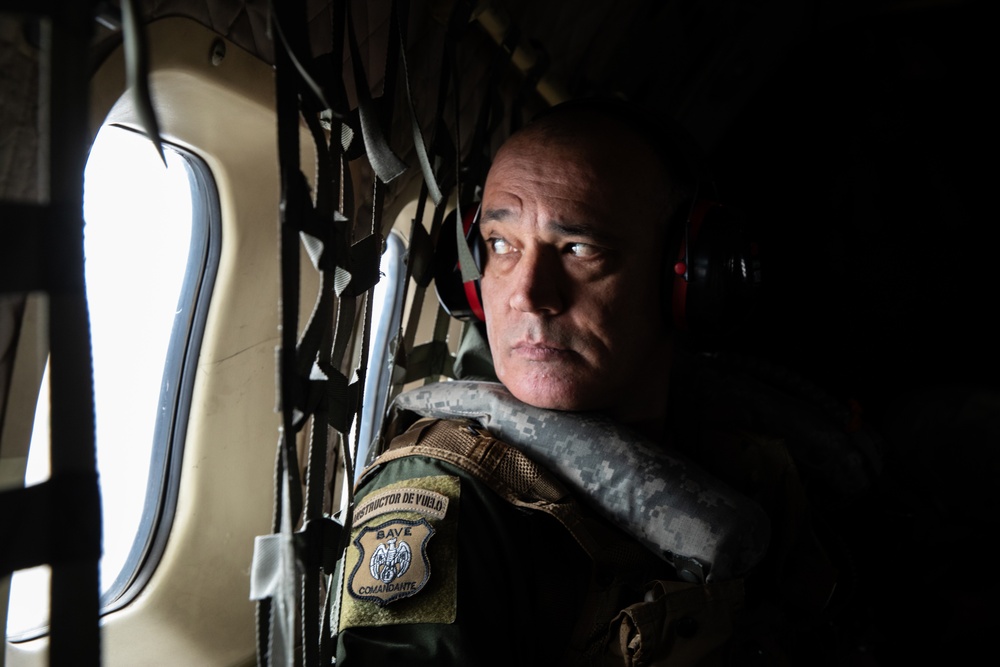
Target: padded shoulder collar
679 511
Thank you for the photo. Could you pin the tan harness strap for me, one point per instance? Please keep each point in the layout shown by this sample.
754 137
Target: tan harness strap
518 480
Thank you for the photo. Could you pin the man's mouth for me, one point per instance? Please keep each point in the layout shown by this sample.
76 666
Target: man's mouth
540 351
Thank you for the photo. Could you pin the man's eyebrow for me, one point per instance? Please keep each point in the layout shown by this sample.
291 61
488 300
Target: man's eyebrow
578 229
496 214
563 228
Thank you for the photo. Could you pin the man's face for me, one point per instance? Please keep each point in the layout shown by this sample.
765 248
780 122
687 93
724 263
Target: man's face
574 234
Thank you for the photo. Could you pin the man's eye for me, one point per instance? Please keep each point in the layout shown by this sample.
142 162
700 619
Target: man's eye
582 250
500 246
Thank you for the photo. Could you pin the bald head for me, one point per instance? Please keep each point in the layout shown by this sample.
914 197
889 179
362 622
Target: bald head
633 140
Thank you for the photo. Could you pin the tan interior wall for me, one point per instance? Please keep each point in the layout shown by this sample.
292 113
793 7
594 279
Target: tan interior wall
195 609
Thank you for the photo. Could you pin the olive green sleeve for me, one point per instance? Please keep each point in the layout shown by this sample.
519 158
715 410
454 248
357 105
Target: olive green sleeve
501 587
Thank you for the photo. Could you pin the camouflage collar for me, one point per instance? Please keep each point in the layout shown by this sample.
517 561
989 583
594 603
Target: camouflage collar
675 508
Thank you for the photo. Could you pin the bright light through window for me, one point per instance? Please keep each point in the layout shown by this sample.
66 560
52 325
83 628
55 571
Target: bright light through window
137 242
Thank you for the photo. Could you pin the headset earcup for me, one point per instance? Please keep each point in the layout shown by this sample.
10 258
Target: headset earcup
717 272
461 300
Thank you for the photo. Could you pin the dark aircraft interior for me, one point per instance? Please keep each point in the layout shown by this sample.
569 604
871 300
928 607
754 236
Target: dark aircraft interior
853 137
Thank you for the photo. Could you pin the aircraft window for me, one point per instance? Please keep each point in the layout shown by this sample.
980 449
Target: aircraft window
387 311
151 245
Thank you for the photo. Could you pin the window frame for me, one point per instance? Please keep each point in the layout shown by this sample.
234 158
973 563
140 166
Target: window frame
177 385
173 406
382 352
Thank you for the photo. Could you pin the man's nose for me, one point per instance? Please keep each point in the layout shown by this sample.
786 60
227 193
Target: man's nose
538 283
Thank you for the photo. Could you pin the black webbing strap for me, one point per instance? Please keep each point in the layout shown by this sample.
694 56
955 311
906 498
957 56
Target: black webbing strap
364 267
434 358
430 180
420 361
312 371
137 72
385 163
477 163
58 522
288 21
39 527
429 359
313 375
328 245
29 232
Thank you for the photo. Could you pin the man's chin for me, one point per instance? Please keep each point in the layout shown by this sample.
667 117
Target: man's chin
549 394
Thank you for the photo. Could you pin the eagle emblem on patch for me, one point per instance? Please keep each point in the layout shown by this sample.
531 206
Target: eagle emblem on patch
393 561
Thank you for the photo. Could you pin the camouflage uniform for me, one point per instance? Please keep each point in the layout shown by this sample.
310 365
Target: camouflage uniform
523 573
512 571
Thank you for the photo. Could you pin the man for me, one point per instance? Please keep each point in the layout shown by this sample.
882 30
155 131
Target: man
574 218
574 221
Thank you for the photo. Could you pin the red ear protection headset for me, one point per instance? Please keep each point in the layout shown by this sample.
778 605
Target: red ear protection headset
461 300
713 284
711 287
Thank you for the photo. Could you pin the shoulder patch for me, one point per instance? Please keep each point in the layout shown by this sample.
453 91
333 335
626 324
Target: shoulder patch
393 561
409 499
401 562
